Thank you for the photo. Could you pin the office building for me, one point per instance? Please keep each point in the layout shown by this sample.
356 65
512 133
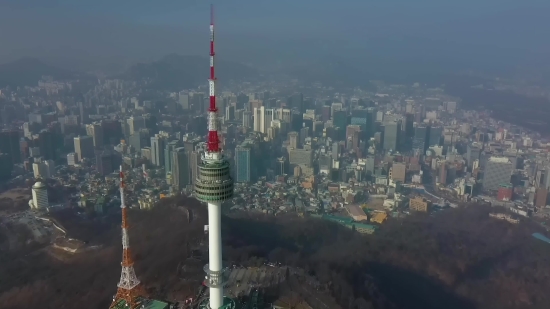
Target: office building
107 162
168 155
419 204
84 147
183 100
158 144
398 171
541 197
39 196
392 132
47 143
95 130
505 192
435 136
498 170
420 138
72 159
262 119
293 140
180 169
243 163
301 157
473 152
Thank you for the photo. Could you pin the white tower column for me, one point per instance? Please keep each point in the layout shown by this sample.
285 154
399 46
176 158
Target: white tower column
215 253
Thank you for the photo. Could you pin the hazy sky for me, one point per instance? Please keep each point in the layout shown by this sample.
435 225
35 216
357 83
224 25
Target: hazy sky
503 31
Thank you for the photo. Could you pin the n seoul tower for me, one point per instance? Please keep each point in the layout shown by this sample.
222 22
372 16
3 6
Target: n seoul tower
213 186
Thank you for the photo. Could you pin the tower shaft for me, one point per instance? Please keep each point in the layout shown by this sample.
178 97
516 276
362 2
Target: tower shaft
129 288
215 255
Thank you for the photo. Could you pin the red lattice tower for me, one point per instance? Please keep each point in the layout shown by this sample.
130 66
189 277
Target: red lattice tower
130 289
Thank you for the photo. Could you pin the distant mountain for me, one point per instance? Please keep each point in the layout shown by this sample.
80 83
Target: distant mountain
357 70
28 71
176 72
329 71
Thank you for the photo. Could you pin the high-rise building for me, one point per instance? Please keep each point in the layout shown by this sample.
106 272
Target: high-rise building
39 196
304 134
262 119
184 100
340 119
180 169
498 170
541 197
409 125
360 117
325 113
473 152
84 147
72 159
243 163
95 130
281 166
301 157
420 139
135 124
47 143
435 136
247 119
296 101
158 143
325 164
505 192
83 113
107 162
392 132
353 133
112 131
168 155
293 140
398 171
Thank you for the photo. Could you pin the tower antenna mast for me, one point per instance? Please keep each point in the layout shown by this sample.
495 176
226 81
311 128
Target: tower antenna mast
130 289
213 139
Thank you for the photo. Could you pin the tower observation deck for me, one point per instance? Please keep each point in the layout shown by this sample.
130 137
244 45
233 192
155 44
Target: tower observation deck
214 186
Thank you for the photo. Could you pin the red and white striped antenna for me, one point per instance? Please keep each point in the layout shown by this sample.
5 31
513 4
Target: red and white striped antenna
213 139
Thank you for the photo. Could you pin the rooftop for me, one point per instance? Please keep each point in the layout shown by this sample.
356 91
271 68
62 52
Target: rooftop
499 159
146 304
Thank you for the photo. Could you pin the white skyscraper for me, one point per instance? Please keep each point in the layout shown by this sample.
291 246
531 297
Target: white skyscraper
39 196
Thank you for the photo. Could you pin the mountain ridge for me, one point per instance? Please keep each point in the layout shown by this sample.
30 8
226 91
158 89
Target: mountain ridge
27 71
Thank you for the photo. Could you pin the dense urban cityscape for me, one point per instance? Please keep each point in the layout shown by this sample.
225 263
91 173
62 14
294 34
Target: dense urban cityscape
295 153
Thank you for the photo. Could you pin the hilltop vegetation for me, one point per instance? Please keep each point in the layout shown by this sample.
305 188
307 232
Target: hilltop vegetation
458 259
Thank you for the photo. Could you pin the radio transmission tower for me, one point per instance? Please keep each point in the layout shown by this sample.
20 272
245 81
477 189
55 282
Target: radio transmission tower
130 290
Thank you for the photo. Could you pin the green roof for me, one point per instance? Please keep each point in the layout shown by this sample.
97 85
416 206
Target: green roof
147 304
342 220
365 226
155 304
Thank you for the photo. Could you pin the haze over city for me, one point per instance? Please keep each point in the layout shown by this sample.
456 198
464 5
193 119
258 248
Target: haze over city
274 154
497 35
